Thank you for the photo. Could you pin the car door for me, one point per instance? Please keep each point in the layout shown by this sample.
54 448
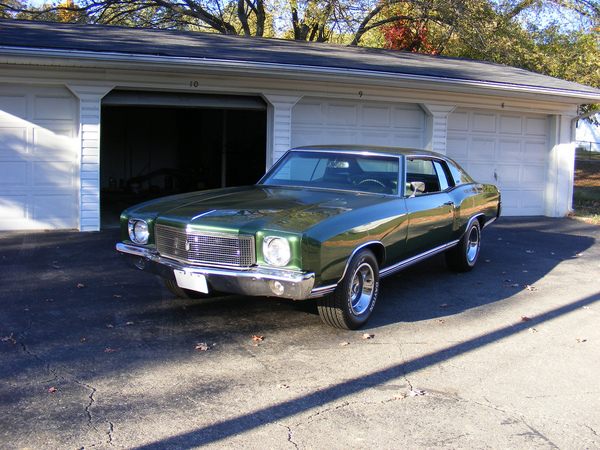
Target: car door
431 211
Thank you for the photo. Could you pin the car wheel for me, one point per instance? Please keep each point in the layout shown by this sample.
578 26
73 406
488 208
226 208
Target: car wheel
463 256
350 305
172 286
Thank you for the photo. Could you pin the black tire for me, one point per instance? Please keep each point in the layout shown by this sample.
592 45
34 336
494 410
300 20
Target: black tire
350 305
172 286
463 256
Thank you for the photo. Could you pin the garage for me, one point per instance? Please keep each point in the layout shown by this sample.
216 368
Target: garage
155 144
94 119
39 160
507 150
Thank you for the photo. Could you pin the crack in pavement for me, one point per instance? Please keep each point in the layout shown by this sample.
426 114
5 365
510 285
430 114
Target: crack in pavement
57 376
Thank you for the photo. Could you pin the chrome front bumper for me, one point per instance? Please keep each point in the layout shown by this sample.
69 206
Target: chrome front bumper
252 281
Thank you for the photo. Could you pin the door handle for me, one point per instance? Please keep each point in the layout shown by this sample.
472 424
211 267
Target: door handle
449 203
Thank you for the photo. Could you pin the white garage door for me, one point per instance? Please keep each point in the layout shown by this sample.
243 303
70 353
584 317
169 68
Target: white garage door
38 160
315 121
507 150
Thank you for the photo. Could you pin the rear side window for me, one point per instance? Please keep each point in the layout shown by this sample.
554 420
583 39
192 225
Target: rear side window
434 174
459 176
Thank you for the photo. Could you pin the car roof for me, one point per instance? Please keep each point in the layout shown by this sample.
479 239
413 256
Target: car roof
402 151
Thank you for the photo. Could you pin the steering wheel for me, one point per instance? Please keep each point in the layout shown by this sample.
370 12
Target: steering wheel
372 181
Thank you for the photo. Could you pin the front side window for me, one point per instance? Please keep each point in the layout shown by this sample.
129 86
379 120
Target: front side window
376 174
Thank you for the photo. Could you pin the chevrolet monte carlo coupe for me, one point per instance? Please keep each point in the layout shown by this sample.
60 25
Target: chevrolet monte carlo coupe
324 222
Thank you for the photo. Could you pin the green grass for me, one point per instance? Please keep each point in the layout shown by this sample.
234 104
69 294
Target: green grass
585 155
586 191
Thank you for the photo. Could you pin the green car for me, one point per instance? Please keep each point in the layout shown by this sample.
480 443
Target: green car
325 222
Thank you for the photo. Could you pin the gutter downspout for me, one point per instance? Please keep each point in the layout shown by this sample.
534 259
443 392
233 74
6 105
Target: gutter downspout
575 119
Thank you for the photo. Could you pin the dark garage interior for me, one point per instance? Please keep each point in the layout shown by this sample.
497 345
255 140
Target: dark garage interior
156 144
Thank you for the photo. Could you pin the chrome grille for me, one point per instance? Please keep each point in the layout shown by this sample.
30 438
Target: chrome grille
202 247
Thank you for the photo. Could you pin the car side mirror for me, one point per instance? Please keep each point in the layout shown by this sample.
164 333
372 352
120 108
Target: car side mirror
417 186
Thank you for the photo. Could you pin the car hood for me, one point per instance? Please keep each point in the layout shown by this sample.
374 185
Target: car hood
254 208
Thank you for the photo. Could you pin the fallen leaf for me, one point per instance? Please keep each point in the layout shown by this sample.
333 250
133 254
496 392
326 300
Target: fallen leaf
529 252
487 261
530 288
525 319
586 307
49 300
416 393
580 341
344 344
367 336
80 286
202 346
52 389
440 321
256 337
9 338
444 305
108 325
533 330
129 324
109 350
117 296
283 386
82 340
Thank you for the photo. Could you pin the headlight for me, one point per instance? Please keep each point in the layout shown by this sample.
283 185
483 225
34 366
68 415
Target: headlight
276 251
138 231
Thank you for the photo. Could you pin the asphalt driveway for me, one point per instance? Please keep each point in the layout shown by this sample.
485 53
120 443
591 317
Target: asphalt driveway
96 355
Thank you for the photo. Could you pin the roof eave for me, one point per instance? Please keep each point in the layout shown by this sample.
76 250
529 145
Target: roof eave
106 60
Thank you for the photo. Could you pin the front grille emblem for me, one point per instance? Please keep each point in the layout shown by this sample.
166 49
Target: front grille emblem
187 245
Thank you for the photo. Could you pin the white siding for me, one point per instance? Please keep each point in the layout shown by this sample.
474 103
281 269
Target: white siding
39 158
316 121
508 150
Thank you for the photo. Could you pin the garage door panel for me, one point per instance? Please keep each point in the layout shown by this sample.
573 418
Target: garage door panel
13 106
308 113
55 209
458 147
53 108
536 151
511 124
13 208
13 174
509 149
409 118
532 198
458 121
50 174
533 175
508 174
47 141
375 139
407 140
482 173
485 123
342 115
13 141
376 117
483 148
536 127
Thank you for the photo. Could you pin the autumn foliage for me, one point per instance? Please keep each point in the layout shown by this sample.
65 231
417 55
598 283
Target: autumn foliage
407 32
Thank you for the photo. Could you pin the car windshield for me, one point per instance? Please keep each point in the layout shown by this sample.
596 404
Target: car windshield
377 174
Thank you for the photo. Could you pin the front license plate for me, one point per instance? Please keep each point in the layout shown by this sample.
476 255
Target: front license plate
192 281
